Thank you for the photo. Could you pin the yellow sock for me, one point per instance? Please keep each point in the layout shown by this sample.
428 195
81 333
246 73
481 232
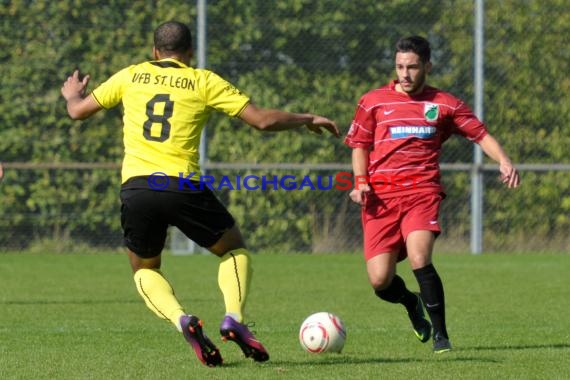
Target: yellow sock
234 276
159 295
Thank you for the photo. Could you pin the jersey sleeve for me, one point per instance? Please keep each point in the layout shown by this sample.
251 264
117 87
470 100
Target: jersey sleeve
467 124
110 93
361 132
222 96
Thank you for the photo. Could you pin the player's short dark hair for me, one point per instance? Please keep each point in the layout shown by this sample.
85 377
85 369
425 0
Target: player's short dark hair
172 36
415 44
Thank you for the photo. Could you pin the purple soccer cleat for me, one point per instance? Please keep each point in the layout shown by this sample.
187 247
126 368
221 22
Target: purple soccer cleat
205 350
239 333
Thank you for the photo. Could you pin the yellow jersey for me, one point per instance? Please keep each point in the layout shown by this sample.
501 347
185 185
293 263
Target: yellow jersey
165 107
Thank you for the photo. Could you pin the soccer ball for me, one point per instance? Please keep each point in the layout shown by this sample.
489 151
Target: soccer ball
322 332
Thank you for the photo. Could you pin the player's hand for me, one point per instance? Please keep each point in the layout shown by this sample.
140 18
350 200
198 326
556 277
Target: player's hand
509 175
74 86
320 122
358 195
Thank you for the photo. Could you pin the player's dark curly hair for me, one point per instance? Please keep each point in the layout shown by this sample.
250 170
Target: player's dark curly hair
172 36
415 44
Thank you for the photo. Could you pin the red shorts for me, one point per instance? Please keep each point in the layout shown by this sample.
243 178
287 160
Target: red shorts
387 222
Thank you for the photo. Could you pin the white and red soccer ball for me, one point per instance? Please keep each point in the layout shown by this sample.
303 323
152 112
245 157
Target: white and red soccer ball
322 332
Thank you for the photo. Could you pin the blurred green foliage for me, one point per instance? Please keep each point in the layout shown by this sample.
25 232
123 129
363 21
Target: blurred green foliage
300 55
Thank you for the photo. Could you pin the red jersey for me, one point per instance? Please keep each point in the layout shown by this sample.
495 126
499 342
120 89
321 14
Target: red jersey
404 135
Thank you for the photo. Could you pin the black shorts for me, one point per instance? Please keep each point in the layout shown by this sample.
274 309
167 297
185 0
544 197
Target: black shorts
146 215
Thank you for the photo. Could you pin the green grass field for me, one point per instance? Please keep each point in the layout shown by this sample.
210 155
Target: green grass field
80 317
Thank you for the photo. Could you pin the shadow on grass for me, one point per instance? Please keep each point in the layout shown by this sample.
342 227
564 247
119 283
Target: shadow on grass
344 360
508 347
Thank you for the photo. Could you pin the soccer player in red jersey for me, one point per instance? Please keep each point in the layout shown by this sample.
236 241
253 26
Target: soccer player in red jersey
396 138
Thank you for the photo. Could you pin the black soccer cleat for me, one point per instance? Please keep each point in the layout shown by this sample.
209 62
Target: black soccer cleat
441 344
421 326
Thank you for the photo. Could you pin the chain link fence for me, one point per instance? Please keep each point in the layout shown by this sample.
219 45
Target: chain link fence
318 56
317 216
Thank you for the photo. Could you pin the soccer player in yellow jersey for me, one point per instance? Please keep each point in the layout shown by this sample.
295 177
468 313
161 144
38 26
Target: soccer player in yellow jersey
166 105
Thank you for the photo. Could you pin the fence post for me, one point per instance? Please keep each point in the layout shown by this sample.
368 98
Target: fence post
179 243
477 172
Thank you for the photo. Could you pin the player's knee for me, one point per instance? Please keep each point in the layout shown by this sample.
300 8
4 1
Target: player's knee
419 261
230 241
380 282
393 292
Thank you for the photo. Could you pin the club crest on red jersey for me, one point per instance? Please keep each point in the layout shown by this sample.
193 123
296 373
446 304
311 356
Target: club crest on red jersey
431 111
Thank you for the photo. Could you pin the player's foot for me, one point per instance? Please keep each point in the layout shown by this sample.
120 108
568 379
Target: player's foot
239 333
205 350
422 327
441 343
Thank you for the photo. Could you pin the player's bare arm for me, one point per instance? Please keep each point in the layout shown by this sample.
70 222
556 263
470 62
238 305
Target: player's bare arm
360 171
509 174
273 120
79 106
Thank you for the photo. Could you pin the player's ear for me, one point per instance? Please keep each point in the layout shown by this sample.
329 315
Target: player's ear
155 53
428 67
